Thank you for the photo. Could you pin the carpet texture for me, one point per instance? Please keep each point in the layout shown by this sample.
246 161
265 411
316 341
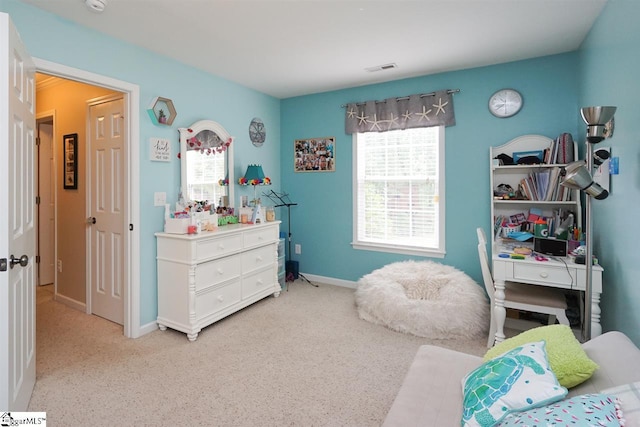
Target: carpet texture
302 359
424 298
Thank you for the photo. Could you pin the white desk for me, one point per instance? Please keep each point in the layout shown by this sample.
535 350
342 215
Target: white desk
554 273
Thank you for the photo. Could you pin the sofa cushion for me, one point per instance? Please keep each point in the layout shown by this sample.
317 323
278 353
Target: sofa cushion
587 409
518 380
568 360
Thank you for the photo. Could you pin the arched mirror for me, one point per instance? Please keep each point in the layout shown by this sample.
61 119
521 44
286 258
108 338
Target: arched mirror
206 154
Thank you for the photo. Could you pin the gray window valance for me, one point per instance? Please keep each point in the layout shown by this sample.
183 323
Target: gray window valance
415 111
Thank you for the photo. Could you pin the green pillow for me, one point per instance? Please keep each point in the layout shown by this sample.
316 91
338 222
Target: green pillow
567 359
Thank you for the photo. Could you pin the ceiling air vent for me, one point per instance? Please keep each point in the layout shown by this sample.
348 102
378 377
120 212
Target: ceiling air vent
381 67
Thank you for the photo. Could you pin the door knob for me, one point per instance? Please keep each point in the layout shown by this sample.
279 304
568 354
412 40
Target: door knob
91 220
23 261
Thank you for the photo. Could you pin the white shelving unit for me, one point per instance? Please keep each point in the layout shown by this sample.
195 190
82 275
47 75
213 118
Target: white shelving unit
513 174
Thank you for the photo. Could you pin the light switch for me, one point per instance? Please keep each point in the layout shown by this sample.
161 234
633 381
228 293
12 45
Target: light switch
159 198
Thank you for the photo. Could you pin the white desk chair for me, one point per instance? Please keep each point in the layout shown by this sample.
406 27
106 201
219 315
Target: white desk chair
520 296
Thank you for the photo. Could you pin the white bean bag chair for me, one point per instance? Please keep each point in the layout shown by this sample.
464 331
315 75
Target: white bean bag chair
424 298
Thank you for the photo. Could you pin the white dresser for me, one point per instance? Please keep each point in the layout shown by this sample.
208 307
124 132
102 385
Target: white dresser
205 277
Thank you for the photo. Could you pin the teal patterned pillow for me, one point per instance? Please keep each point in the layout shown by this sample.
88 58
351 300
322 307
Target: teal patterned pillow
587 410
518 380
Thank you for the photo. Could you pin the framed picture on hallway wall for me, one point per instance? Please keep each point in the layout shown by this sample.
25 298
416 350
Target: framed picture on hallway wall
70 161
315 155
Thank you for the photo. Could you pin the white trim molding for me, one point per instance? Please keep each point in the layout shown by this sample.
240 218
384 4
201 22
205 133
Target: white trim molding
132 105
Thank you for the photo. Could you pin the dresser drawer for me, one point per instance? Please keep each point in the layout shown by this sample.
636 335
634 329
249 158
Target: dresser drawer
218 246
216 298
261 236
217 271
256 259
258 282
565 277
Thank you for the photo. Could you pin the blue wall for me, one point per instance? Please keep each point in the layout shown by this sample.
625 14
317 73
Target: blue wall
322 221
196 95
609 64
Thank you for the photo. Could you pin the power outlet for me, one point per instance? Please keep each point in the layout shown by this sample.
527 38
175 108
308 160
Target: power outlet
59 266
298 248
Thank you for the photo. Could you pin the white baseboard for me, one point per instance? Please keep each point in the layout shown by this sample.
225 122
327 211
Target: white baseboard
145 329
69 302
331 281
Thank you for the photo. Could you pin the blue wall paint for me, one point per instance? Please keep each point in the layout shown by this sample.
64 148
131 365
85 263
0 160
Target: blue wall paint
196 95
322 221
610 59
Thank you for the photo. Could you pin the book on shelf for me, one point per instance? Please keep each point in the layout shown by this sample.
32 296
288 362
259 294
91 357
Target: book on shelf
543 186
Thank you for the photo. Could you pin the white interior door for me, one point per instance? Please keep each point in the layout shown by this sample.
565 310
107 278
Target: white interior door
17 221
107 197
46 208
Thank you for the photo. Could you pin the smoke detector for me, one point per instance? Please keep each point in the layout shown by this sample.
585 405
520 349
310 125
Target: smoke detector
96 5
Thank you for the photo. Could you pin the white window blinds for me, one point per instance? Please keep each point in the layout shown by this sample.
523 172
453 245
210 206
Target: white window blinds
398 187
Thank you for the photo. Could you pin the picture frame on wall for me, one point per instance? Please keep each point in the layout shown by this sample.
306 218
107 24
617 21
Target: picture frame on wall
315 155
70 161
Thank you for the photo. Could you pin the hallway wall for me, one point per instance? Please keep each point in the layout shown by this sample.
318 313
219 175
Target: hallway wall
68 100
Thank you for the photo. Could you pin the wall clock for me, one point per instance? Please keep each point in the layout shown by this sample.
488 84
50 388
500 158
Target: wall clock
257 133
505 103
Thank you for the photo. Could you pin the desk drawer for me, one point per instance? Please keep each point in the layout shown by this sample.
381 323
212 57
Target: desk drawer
259 282
259 258
557 276
218 246
260 237
217 271
214 299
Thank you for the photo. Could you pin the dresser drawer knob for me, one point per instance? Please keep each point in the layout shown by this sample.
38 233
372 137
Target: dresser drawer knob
221 246
220 272
220 298
544 275
258 258
259 282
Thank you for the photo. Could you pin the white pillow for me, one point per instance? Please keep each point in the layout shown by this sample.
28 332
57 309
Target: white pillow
518 380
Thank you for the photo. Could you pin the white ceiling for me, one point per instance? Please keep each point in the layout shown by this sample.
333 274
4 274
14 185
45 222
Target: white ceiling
298 47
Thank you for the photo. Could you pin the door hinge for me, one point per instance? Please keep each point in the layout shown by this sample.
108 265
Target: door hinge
37 259
37 200
37 141
3 264
130 227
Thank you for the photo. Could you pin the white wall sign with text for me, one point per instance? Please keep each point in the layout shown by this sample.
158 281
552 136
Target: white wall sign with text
160 149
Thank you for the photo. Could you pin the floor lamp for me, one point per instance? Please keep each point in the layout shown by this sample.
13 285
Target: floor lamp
578 176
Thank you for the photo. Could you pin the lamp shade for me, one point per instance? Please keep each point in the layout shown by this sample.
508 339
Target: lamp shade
254 176
578 177
597 115
596 118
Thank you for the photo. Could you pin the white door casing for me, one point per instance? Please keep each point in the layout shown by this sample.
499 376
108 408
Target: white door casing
46 207
132 327
106 175
17 220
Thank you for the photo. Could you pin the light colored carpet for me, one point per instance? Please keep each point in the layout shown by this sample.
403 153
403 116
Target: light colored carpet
303 359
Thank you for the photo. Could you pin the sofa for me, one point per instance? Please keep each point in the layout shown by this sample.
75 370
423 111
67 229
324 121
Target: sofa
431 393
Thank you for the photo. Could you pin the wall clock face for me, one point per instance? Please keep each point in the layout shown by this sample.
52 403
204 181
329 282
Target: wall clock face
257 133
505 103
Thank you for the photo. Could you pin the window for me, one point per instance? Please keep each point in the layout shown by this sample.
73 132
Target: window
398 191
